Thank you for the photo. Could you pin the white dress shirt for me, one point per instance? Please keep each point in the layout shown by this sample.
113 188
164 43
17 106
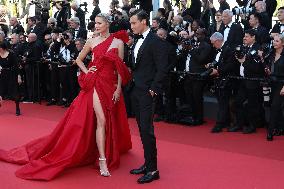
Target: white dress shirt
226 31
139 43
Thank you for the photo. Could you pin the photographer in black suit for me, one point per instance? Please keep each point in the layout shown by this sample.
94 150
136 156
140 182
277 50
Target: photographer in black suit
199 57
249 97
278 27
78 31
79 14
227 65
262 34
150 68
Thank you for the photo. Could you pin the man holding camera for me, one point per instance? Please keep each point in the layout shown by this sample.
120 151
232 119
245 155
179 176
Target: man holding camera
249 97
226 65
199 56
67 69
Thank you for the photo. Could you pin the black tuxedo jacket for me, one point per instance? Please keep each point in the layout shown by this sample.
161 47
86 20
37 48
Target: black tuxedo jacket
95 12
227 64
194 11
200 57
82 33
18 29
235 36
262 35
152 64
81 15
253 69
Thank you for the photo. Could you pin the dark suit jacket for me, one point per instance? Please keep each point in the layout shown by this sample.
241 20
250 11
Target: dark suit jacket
262 35
200 57
235 36
224 5
227 64
194 10
81 15
18 29
95 12
152 64
82 33
253 69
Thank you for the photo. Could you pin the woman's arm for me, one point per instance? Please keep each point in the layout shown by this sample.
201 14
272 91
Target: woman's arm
121 55
170 17
79 61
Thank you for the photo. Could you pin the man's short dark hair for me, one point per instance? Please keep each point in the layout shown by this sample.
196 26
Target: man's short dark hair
251 32
32 19
257 15
141 15
157 19
281 8
162 11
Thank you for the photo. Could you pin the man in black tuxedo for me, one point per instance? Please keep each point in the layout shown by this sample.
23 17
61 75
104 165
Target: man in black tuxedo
78 31
279 27
262 34
194 11
96 10
199 57
79 14
227 65
231 31
249 97
150 67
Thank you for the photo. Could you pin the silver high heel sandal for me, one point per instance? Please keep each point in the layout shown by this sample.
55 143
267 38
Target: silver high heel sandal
104 173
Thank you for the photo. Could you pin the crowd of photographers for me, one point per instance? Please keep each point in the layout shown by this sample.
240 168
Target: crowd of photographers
234 53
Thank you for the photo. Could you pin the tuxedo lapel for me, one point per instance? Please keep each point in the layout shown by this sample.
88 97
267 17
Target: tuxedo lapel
141 49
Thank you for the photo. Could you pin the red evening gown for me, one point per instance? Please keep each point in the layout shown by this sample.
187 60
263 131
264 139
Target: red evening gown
73 143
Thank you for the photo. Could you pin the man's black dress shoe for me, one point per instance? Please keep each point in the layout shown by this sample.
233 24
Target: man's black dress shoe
269 136
234 129
249 130
149 177
18 112
216 129
140 170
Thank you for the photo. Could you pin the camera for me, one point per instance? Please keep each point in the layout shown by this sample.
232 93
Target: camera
240 51
243 10
210 68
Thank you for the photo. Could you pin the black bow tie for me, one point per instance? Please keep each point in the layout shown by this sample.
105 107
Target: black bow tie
219 50
226 26
138 37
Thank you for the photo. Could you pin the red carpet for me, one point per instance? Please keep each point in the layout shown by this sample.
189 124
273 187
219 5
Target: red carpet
189 158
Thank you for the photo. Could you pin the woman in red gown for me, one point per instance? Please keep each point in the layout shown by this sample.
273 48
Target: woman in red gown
94 129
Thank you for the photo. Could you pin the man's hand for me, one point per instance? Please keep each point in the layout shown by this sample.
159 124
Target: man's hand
214 72
152 93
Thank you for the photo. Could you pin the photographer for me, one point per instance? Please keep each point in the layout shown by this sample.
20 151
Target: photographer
278 28
52 58
194 11
199 56
265 20
232 32
96 10
249 98
62 14
79 13
262 34
77 30
226 65
30 60
17 28
67 68
275 69
119 23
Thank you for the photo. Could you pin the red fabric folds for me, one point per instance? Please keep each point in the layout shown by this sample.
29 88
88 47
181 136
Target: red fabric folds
73 143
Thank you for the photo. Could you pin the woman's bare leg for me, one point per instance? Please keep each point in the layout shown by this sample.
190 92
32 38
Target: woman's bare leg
100 132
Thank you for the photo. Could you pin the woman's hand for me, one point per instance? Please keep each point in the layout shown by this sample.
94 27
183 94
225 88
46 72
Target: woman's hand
92 69
282 91
116 95
1 101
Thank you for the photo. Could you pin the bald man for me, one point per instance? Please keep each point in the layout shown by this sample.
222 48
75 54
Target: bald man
16 26
31 58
